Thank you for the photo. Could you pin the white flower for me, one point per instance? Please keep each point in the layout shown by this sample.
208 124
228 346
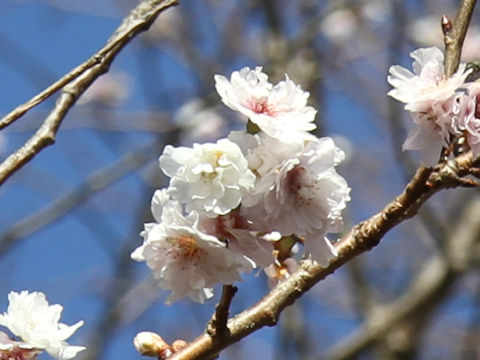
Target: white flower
307 199
265 156
431 99
184 259
281 111
31 318
211 178
427 85
432 131
235 231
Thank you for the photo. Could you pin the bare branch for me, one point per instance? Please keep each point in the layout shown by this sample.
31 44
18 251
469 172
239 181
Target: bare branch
137 21
455 35
361 238
217 326
96 182
430 288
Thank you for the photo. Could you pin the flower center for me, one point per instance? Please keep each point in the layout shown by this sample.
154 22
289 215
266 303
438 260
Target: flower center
294 179
186 248
262 106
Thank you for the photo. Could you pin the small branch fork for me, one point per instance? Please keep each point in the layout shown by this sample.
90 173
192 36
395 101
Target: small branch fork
75 83
454 34
217 326
363 237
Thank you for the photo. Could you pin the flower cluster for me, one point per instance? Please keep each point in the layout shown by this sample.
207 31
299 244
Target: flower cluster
230 204
441 108
37 325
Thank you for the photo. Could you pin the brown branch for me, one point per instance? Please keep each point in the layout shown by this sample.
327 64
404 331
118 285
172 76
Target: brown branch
96 182
361 238
217 326
429 289
455 35
137 21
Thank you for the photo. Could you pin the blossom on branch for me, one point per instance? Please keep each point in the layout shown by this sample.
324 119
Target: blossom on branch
208 177
307 198
184 258
246 200
281 111
432 100
469 116
36 323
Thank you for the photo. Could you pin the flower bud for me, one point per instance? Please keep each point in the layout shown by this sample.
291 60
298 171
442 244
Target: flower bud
178 345
151 344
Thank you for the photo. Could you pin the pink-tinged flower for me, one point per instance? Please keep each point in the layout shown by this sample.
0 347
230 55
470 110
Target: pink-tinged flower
307 199
468 120
16 350
427 85
433 130
211 178
265 156
235 230
183 257
36 323
431 99
281 111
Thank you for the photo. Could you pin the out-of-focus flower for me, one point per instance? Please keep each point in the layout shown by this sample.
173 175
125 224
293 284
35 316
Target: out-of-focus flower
376 10
31 318
108 90
339 25
208 177
168 27
426 31
281 111
199 122
184 259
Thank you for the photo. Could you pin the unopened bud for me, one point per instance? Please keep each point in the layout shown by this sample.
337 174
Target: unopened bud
150 344
446 24
178 345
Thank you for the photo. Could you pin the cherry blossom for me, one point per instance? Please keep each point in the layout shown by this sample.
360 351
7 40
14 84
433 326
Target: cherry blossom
427 86
265 156
184 258
230 204
281 111
31 318
431 99
468 119
208 177
307 199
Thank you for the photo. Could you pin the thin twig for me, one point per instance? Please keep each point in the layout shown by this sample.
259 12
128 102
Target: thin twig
428 289
137 21
455 35
93 184
217 326
21 110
